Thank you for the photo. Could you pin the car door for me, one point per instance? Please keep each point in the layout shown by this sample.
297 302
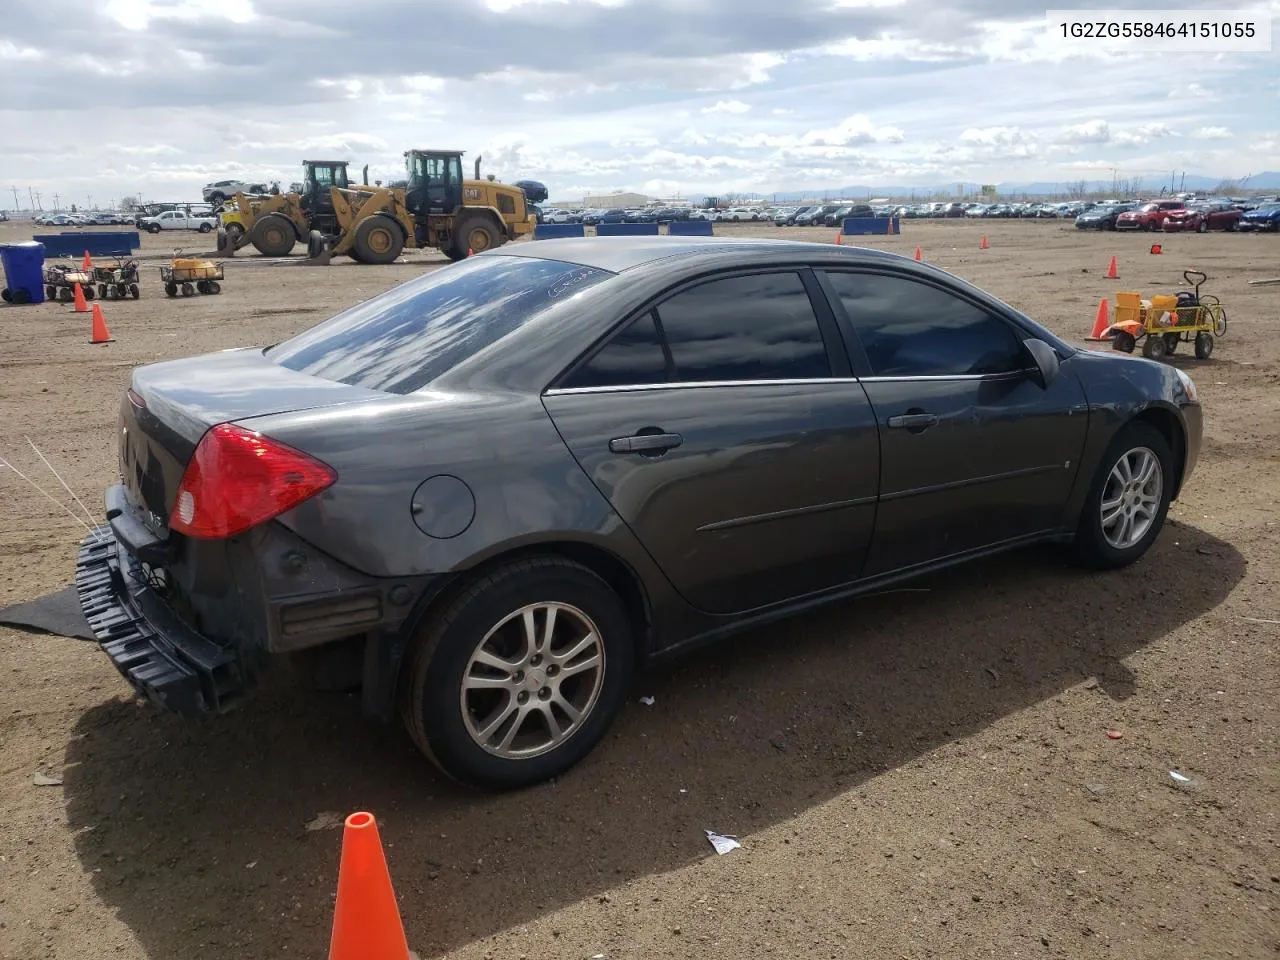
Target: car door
723 425
974 452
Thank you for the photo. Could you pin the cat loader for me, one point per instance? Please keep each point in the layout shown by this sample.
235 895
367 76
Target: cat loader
436 208
274 224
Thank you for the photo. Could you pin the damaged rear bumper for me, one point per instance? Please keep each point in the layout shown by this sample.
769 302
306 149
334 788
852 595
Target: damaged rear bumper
164 660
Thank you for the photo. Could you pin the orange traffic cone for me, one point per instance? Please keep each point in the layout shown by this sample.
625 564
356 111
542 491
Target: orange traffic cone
1102 322
98 332
82 305
1156 249
889 231
839 242
984 245
366 919
470 252
87 263
1112 274
917 254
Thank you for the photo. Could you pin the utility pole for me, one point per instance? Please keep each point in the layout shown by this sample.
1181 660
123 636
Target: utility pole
16 204
35 203
57 202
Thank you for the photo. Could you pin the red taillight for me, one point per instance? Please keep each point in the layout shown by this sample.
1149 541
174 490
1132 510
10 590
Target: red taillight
238 479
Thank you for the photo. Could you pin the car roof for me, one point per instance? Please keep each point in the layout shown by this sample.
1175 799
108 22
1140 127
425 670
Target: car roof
618 254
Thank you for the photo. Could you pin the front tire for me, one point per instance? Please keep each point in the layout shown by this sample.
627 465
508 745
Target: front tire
378 240
1128 500
519 677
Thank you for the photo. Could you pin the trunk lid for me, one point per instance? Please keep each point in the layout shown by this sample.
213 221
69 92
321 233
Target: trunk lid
171 405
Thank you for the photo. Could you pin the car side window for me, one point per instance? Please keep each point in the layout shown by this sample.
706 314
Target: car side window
758 327
634 356
913 329
755 327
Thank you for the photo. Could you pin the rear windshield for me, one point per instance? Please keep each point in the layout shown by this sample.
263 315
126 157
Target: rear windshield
400 341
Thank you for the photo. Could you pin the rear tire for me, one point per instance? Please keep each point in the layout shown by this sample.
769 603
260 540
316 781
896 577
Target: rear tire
1153 347
134 291
1204 345
171 289
273 235
1124 341
475 233
205 227
379 240
188 290
445 716
1099 545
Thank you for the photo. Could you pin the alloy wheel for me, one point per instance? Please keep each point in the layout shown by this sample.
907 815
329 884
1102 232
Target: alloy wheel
1131 498
533 680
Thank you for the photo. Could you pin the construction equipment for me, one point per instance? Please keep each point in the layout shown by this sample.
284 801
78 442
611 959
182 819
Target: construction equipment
189 276
60 282
372 224
118 282
1166 320
273 224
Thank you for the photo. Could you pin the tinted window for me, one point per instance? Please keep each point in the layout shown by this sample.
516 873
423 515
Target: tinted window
744 328
912 329
633 356
403 339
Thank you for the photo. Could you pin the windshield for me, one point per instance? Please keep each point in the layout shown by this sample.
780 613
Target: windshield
1151 206
1268 208
402 340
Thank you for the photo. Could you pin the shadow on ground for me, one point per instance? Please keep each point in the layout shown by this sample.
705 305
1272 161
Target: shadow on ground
196 836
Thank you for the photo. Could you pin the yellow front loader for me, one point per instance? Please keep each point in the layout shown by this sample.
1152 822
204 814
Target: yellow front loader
437 208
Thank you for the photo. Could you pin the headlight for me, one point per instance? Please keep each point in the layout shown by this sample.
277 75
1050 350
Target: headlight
1188 385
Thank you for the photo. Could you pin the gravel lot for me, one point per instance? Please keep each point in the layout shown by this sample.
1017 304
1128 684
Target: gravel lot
918 774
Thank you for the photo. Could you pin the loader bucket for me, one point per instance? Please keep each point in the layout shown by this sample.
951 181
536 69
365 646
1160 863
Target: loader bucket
226 244
318 252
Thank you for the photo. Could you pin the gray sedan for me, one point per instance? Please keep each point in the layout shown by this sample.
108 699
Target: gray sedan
489 495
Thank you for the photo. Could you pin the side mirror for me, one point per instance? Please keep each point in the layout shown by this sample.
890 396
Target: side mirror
1046 361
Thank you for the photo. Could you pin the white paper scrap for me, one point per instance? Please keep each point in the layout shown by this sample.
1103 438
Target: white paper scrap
722 842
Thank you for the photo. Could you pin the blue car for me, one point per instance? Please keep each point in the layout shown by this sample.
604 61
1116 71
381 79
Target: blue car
1265 217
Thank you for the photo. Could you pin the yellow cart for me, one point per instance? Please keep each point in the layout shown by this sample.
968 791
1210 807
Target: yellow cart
1167 320
189 276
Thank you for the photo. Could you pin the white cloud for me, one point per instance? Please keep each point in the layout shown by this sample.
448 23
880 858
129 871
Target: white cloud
727 106
1213 133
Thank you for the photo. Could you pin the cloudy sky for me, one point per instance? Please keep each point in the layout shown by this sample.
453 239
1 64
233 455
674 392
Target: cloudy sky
102 98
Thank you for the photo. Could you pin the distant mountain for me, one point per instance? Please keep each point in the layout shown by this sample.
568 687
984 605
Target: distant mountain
1269 181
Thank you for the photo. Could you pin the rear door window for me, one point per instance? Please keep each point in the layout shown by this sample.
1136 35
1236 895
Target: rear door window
402 340
745 328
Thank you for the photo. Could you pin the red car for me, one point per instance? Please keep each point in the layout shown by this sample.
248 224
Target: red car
1149 216
1202 218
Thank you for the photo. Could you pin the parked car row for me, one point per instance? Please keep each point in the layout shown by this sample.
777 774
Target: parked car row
82 219
1181 216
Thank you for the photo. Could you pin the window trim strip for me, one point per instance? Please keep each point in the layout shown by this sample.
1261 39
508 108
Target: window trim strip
686 384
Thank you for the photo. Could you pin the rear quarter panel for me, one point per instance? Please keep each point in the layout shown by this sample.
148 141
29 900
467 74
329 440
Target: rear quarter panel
525 485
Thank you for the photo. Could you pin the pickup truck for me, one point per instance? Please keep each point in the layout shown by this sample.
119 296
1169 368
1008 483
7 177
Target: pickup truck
179 220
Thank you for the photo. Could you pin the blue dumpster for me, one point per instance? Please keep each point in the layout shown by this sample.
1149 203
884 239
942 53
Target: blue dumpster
23 272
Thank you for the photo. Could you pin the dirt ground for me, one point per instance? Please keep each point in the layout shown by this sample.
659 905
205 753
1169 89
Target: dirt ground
919 774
